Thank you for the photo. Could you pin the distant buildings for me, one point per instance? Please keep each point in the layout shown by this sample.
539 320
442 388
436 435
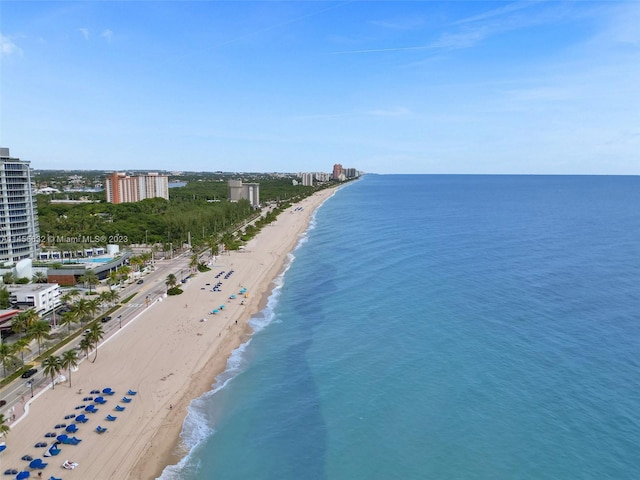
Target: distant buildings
307 179
343 174
244 191
19 231
121 188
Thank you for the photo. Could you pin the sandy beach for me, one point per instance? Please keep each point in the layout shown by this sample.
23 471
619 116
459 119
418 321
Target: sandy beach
169 355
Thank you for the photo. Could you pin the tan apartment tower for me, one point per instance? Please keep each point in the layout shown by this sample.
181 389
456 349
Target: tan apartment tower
122 188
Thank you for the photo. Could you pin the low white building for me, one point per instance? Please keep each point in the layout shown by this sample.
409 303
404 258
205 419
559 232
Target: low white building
42 297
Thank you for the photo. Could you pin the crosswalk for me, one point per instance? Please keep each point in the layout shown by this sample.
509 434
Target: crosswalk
135 305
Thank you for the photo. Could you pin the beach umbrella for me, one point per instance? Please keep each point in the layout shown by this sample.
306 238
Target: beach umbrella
221 307
216 311
21 475
232 297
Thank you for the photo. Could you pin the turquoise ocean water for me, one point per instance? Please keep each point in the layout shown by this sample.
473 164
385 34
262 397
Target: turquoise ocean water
441 327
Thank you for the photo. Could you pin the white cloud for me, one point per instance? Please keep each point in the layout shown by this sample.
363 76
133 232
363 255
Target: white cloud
8 48
107 34
84 32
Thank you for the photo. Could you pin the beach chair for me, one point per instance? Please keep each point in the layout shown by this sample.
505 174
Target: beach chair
73 428
131 392
119 408
95 392
37 463
87 399
54 478
126 400
27 458
100 429
110 418
67 417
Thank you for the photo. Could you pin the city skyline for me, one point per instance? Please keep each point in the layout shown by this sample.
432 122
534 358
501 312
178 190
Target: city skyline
525 87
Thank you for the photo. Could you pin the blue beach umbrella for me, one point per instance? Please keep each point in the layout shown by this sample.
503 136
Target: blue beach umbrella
221 307
21 475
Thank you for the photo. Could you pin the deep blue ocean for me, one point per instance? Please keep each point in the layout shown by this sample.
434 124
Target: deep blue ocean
441 327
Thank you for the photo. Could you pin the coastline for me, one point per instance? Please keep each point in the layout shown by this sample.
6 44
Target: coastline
195 348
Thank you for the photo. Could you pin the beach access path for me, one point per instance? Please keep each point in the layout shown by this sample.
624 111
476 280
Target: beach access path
170 354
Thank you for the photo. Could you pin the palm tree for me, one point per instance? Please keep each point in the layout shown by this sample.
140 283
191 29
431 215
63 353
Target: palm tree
90 278
4 428
19 323
95 334
31 317
193 263
39 331
8 278
213 244
228 239
85 346
93 306
104 298
39 277
52 365
172 281
113 297
113 278
136 262
20 346
69 359
124 272
68 318
68 296
82 310
6 356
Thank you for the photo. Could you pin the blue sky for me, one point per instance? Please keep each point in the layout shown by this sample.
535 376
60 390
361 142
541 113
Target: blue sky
387 87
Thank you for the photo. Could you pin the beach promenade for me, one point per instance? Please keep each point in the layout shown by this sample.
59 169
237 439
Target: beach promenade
169 355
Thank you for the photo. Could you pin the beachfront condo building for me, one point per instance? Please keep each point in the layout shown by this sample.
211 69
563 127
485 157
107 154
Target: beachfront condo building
307 179
122 188
337 171
19 230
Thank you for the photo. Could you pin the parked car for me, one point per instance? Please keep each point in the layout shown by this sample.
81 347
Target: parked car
29 373
3 403
105 319
140 282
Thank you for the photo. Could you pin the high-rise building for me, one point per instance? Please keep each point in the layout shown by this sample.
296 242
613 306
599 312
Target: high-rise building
246 191
337 171
307 179
122 188
19 231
